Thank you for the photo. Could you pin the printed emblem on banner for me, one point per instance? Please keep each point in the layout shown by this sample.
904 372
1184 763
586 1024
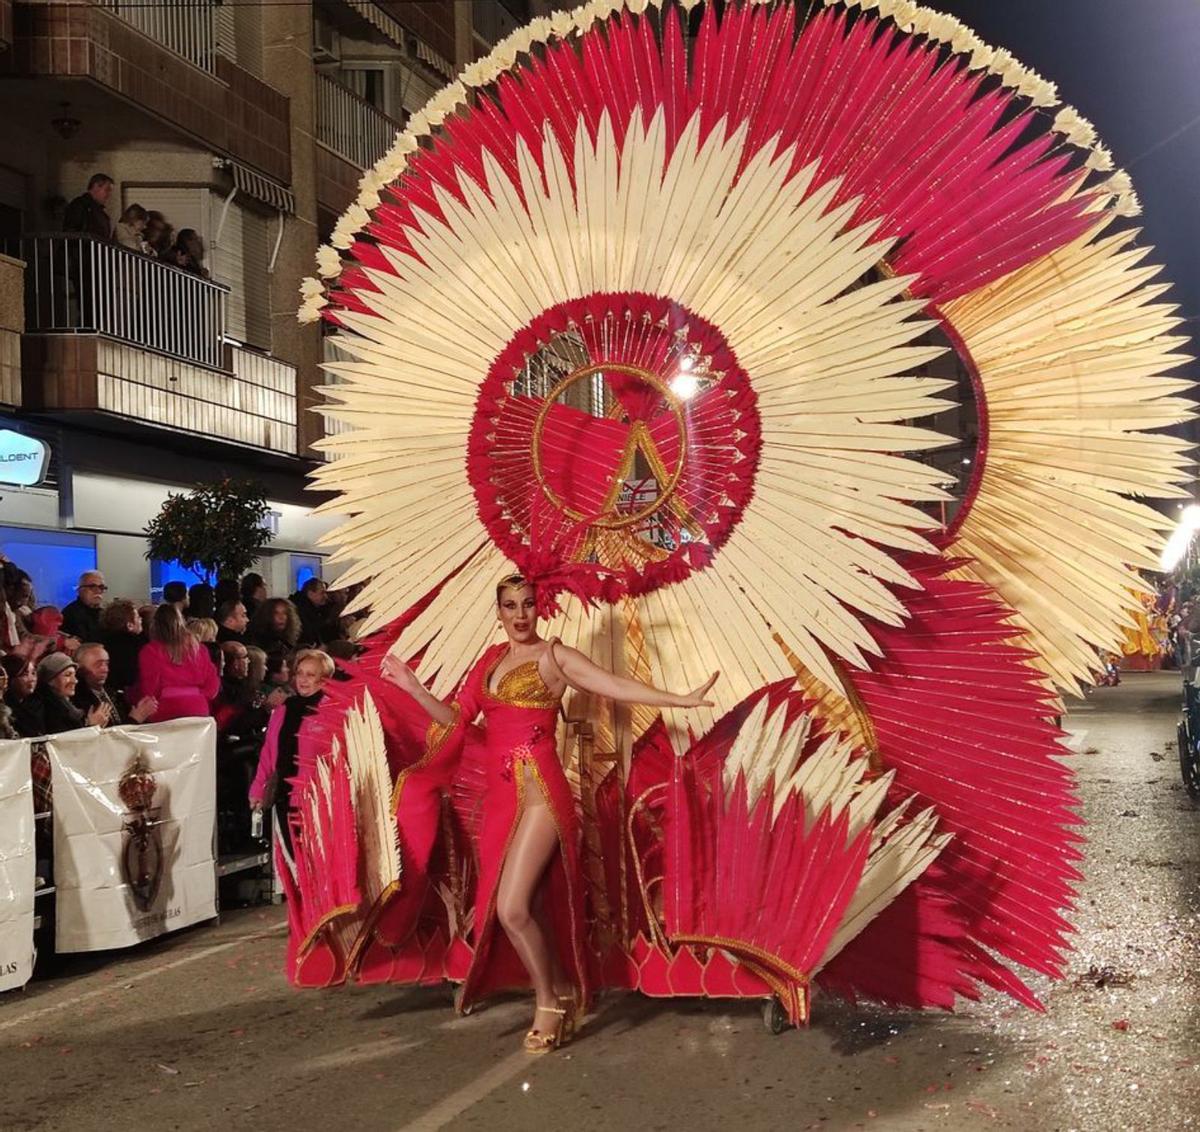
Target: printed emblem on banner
142 857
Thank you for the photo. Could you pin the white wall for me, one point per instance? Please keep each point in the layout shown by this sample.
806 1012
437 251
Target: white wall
28 507
122 558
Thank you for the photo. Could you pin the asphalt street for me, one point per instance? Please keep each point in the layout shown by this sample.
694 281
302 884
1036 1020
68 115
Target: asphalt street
201 1031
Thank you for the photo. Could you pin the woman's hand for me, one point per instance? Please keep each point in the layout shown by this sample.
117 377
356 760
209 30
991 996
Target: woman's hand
697 698
395 671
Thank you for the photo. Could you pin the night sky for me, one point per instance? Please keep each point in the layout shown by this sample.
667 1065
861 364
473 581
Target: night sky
1133 68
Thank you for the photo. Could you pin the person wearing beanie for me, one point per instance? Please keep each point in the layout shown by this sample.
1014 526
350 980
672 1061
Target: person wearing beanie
57 681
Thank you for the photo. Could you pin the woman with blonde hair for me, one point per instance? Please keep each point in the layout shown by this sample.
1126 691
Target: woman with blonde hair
278 764
176 669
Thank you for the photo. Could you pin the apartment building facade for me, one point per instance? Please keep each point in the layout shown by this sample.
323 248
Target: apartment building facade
248 123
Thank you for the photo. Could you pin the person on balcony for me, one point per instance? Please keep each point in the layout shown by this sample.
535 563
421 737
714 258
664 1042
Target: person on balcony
91 690
188 253
81 618
88 212
131 230
176 669
159 235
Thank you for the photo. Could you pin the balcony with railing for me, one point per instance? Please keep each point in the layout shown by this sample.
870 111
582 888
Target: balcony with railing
188 29
111 331
350 126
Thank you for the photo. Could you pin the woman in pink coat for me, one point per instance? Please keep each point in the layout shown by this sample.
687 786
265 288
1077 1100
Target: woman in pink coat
176 669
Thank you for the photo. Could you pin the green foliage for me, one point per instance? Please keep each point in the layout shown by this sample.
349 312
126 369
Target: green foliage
216 529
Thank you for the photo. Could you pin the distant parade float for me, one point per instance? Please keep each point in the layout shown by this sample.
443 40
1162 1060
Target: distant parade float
639 308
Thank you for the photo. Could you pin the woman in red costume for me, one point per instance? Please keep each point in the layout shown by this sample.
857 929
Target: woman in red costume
529 810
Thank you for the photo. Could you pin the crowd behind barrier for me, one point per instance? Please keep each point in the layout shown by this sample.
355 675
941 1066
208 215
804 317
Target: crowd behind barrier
228 652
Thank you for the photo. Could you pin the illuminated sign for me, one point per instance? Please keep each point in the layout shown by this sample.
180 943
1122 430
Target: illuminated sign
23 459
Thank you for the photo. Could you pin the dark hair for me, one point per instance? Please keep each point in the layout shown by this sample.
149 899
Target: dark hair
98 179
169 630
200 600
511 582
251 582
313 583
263 629
174 591
226 608
14 666
226 590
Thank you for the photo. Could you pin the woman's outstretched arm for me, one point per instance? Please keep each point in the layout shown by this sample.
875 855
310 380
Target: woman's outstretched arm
398 673
581 673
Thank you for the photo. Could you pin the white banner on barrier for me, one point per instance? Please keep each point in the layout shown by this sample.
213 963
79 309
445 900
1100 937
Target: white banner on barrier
16 864
134 820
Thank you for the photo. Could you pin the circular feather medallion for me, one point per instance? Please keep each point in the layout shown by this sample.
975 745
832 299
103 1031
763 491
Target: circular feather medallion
616 430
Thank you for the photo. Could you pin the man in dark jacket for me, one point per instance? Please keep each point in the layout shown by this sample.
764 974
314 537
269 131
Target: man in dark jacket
319 623
88 212
90 691
232 622
81 618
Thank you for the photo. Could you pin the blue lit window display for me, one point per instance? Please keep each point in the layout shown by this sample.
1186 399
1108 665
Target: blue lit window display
304 566
53 559
162 572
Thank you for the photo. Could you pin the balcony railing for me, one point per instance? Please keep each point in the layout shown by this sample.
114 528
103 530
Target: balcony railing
74 284
351 126
187 27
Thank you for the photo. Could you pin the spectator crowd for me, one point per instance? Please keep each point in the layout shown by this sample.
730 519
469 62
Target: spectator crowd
230 652
146 232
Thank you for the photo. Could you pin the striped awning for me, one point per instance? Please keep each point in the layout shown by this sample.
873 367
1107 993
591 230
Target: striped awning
259 186
379 20
392 30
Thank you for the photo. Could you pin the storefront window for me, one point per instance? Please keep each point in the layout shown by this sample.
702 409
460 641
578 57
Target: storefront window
53 559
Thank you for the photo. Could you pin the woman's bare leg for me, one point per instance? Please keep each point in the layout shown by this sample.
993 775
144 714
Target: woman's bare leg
533 845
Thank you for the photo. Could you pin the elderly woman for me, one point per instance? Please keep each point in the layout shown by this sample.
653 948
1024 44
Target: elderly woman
278 764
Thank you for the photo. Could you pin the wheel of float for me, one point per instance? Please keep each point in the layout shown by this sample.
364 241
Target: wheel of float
774 1016
1189 761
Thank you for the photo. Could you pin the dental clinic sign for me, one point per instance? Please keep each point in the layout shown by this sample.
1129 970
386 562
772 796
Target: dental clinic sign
23 459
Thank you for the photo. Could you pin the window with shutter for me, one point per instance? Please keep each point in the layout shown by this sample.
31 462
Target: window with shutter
239 259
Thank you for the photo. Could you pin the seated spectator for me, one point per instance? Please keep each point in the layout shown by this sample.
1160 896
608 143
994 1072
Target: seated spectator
131 228
91 689
176 669
28 715
204 629
257 660
319 622
121 635
81 618
343 650
18 593
57 680
279 763
200 600
46 625
279 674
241 708
176 594
188 253
275 627
146 615
254 593
8 729
159 235
232 622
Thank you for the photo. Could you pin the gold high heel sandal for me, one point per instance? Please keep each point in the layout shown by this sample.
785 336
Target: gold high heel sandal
538 1042
570 1005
